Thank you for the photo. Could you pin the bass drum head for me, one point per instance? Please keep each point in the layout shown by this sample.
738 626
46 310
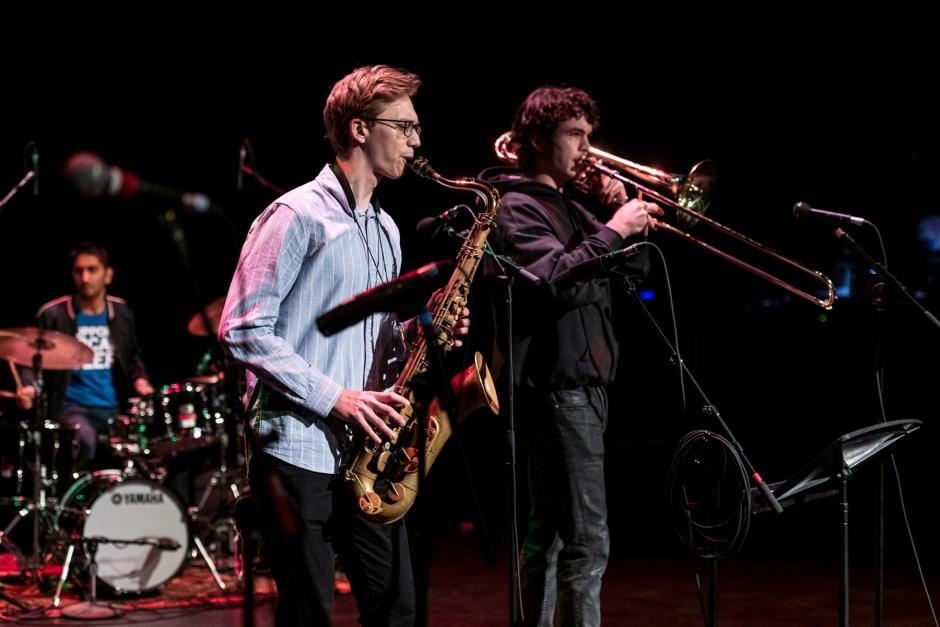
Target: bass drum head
134 509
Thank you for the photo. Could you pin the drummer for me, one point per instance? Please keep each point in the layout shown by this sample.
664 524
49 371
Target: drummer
89 396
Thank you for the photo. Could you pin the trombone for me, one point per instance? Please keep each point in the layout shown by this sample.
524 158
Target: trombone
690 196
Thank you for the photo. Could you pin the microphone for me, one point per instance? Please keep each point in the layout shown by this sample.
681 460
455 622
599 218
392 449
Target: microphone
802 209
242 153
167 544
405 295
596 265
91 177
34 157
431 226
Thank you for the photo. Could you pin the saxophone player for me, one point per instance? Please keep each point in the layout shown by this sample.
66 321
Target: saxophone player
311 249
565 351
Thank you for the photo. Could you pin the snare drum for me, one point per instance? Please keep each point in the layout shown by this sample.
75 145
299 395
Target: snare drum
105 505
176 419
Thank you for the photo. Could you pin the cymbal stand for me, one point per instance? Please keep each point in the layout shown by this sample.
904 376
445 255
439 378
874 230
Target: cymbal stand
220 479
37 505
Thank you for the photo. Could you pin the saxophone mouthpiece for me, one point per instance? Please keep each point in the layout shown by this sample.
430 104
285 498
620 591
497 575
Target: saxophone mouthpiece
421 167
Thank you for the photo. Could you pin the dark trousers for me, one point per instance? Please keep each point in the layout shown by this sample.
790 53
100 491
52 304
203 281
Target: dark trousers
565 551
301 551
92 426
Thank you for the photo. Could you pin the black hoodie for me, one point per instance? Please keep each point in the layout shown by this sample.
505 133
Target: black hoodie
563 338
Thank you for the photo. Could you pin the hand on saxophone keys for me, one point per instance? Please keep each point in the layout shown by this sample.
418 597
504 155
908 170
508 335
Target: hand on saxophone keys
372 411
460 325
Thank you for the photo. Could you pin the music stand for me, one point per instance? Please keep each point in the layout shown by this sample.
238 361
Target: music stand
829 473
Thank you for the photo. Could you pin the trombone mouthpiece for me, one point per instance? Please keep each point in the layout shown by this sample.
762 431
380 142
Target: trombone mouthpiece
421 167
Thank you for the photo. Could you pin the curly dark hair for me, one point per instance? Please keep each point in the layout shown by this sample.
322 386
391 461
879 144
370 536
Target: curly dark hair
541 113
358 94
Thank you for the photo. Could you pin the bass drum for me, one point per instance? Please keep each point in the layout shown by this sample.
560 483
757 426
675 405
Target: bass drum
105 505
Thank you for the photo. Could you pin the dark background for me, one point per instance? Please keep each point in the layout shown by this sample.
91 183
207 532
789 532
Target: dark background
832 105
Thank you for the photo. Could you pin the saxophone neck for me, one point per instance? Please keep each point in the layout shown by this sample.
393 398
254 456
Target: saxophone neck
487 193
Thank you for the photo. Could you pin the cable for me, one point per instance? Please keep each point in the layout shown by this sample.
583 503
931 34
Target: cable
708 495
910 535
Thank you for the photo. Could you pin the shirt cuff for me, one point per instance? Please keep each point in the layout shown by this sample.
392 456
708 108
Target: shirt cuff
328 392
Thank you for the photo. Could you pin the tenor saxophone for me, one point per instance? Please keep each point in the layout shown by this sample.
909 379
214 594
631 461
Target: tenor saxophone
383 478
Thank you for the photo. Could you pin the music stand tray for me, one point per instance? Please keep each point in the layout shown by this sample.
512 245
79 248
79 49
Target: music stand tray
829 473
848 454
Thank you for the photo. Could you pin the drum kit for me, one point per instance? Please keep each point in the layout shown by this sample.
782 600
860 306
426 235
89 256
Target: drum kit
127 529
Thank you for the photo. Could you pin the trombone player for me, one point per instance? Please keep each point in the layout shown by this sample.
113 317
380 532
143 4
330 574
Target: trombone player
565 351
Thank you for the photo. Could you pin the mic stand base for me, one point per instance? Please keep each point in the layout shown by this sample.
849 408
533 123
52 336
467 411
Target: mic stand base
89 610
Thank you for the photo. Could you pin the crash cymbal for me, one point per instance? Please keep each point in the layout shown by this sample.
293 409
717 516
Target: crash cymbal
59 350
213 311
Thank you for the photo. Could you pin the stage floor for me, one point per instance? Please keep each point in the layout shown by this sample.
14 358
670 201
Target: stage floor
646 590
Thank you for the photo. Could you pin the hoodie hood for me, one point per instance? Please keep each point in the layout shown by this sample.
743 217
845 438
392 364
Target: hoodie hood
509 179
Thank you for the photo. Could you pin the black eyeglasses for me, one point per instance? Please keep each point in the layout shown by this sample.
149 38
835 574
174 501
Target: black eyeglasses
406 127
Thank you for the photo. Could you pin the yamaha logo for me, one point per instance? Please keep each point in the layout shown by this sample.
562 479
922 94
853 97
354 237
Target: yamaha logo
138 498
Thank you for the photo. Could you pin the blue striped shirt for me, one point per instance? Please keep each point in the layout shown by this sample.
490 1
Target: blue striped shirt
305 254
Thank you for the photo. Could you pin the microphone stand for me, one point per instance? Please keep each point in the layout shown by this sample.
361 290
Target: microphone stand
437 380
10 194
883 271
711 411
511 271
90 609
178 235
878 299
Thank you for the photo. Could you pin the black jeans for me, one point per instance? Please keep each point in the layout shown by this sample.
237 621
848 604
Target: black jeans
565 552
375 557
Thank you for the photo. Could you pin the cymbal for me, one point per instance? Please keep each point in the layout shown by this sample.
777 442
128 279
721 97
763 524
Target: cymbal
59 350
213 311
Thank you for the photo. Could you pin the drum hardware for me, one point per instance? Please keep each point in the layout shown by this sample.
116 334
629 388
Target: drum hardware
175 419
201 548
228 490
42 349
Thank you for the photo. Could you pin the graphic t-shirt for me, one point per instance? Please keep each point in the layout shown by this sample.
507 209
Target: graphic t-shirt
92 385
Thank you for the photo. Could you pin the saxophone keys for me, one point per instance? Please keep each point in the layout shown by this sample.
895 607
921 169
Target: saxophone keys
370 503
411 454
382 461
396 492
433 426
